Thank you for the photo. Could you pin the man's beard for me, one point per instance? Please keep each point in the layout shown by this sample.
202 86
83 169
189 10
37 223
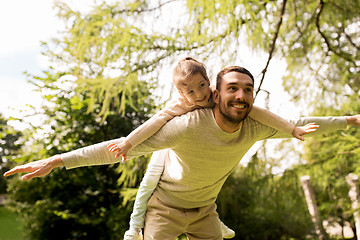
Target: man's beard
233 119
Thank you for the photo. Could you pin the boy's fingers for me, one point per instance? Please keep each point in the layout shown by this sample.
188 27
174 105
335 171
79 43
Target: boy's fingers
123 158
113 148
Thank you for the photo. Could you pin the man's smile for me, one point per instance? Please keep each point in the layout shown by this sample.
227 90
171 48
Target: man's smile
239 106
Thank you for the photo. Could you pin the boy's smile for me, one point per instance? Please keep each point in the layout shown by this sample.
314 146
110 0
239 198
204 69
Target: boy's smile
196 90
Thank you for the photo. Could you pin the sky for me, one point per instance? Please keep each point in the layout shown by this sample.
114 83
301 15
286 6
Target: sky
25 24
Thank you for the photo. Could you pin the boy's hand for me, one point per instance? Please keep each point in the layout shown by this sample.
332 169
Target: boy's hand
300 131
38 168
120 148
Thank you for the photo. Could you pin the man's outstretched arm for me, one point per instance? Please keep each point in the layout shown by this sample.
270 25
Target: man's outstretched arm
38 168
327 124
98 154
353 120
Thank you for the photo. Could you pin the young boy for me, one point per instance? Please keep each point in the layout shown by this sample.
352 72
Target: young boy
193 84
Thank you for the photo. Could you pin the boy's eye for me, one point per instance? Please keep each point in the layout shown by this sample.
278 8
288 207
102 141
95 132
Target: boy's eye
202 85
190 92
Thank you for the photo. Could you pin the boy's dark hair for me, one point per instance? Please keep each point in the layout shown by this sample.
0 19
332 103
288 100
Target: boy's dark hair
187 67
221 74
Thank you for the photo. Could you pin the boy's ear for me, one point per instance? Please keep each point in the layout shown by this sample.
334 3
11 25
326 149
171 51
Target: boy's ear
216 96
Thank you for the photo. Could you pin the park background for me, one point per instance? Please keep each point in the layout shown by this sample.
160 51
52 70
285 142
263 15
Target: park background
99 69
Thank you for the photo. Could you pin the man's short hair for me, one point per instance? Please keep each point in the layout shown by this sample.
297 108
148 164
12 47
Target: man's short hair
221 74
188 67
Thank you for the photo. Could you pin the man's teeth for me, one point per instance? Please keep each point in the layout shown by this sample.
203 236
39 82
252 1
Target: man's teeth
241 106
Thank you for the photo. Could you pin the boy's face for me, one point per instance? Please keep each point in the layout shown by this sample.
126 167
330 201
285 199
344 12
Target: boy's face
197 90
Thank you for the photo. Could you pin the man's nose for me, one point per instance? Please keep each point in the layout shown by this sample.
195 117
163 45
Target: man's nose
240 94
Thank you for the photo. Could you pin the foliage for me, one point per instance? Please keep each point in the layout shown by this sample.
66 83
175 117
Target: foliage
250 201
87 203
329 160
10 145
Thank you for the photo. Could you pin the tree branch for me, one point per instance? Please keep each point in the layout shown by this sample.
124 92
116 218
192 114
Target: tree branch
273 44
144 10
327 42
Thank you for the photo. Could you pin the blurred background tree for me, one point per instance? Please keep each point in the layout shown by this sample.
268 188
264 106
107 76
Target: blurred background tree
9 149
103 81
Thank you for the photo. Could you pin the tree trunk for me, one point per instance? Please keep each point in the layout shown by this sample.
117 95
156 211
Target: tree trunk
352 180
313 209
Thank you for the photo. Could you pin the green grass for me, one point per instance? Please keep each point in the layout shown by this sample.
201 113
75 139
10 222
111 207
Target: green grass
10 225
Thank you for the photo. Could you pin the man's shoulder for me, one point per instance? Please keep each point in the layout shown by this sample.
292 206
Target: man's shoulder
193 118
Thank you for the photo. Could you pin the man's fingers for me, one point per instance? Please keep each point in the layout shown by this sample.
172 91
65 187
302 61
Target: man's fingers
300 138
311 130
29 176
18 169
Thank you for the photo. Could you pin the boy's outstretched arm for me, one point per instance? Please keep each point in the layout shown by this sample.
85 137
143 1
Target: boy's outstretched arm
38 168
272 120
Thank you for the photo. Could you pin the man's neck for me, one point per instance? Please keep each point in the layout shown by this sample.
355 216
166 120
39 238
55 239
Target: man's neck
224 124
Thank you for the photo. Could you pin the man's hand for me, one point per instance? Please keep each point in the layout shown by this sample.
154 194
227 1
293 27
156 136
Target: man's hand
38 168
300 131
353 120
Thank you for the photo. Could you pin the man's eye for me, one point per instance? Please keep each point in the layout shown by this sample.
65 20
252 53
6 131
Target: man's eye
248 90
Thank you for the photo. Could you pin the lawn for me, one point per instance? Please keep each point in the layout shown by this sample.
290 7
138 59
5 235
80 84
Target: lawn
10 225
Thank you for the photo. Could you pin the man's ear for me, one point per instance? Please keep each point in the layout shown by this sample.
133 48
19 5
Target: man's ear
216 96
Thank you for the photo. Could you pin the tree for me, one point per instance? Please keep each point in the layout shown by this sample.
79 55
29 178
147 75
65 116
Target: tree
9 149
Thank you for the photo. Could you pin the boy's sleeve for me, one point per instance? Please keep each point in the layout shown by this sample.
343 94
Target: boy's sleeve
98 154
272 120
327 124
151 126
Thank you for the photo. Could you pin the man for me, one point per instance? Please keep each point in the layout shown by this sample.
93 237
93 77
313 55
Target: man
206 145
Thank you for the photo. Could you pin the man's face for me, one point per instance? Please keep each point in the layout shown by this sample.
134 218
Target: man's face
235 98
